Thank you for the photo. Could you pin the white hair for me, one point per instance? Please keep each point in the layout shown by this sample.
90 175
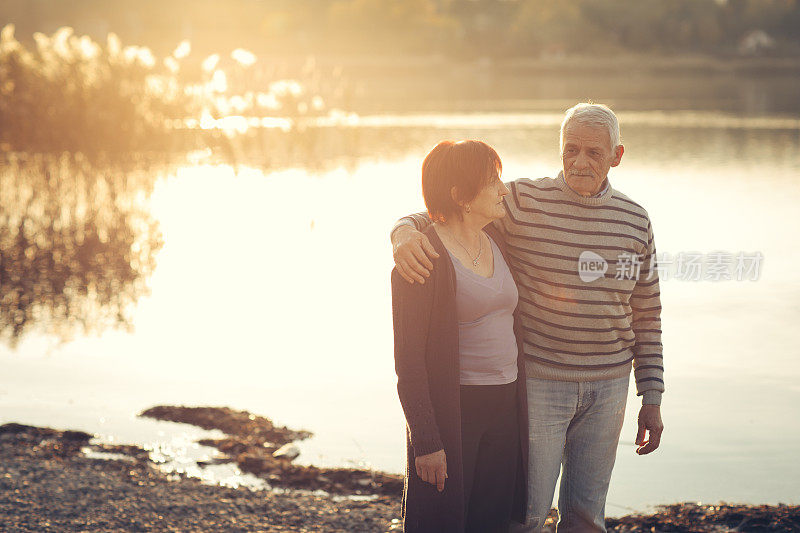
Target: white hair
589 114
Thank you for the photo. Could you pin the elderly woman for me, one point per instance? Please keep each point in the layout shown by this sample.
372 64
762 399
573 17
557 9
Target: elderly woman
461 379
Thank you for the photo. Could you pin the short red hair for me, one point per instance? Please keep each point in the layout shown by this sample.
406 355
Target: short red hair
466 165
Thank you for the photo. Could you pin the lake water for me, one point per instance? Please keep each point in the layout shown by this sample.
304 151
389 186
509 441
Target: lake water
271 294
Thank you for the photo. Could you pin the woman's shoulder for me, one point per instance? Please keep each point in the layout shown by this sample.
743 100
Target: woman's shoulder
442 266
433 236
438 245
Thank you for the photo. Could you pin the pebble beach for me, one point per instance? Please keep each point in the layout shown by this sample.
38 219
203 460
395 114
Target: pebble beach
54 480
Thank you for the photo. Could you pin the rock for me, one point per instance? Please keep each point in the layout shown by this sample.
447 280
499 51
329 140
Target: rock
76 436
287 451
252 463
235 423
219 460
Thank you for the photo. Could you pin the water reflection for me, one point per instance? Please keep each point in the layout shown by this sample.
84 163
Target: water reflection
76 243
77 240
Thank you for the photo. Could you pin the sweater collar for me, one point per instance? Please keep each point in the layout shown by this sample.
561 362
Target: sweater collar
598 199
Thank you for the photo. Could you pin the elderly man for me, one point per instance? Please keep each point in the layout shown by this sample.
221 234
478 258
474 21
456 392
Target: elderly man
582 255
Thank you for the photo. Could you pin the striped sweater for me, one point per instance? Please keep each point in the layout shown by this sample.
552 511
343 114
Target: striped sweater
588 290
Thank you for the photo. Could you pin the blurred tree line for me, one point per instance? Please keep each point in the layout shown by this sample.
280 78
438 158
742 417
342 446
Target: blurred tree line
454 28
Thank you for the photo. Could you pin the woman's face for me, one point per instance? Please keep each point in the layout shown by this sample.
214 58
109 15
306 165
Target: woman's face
489 201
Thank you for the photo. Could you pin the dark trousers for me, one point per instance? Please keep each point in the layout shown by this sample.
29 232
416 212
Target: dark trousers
490 448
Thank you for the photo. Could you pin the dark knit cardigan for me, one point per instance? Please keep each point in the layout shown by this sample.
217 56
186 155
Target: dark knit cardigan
427 366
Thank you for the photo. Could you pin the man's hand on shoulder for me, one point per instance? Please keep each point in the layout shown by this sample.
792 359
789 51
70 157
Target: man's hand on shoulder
411 251
651 427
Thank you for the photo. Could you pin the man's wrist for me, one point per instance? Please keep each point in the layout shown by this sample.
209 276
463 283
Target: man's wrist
651 397
400 224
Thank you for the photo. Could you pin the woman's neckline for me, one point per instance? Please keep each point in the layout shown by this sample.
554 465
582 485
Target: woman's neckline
461 265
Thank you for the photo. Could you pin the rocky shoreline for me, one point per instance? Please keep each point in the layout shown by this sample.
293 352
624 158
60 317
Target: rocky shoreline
260 448
47 484
49 481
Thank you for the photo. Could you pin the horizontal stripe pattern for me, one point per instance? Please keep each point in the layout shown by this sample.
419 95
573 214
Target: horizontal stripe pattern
593 327
574 328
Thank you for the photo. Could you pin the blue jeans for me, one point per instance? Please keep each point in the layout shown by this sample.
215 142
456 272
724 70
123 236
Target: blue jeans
575 426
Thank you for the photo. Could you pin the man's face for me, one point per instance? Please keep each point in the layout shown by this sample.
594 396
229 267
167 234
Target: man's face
587 156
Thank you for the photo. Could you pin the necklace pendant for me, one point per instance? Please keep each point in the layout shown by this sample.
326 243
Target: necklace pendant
474 262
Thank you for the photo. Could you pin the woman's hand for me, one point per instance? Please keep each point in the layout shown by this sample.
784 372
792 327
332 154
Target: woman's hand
432 468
